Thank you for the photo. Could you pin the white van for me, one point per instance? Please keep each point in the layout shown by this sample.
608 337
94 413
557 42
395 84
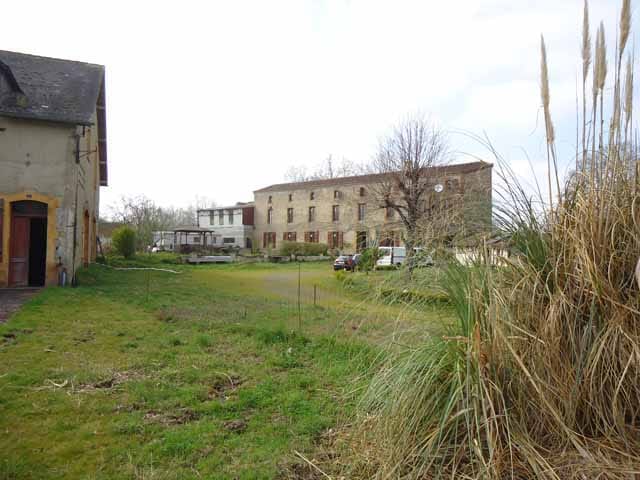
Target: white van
391 256
396 256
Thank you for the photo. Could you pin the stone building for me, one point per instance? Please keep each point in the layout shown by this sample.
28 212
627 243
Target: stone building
345 214
53 160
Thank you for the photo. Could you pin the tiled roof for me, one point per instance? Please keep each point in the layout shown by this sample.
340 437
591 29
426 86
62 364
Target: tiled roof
459 168
54 90
49 88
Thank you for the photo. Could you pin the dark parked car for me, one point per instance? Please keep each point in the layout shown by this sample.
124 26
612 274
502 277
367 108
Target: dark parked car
343 262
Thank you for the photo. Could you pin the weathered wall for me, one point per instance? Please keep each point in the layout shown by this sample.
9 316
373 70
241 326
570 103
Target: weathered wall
238 231
37 159
473 196
323 201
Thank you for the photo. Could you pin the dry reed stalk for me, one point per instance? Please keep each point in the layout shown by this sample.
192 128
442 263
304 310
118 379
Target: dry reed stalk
586 62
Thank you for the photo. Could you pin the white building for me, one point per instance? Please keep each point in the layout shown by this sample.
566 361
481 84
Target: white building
232 226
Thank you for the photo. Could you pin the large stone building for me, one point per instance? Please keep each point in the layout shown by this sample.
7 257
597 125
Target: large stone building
53 160
345 213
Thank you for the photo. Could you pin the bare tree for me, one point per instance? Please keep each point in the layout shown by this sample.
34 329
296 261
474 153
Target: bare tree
405 158
146 217
329 168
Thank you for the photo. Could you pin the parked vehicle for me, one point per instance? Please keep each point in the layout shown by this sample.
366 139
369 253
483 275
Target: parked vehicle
395 256
343 262
389 256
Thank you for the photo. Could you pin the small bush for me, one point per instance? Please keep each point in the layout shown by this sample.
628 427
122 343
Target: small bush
368 259
303 249
124 241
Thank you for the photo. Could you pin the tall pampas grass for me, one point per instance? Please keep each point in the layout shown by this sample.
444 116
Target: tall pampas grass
540 376
586 62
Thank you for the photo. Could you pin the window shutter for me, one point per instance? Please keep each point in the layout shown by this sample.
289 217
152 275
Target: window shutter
341 234
317 236
264 240
293 236
284 236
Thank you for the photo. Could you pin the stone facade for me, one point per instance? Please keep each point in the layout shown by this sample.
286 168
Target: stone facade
344 213
37 163
52 164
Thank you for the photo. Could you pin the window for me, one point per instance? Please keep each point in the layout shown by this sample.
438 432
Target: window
452 185
390 213
335 239
289 236
270 215
212 217
196 239
335 213
362 208
337 194
312 196
220 217
290 197
312 214
269 239
363 192
270 198
230 212
311 237
289 215
390 239
361 241
228 240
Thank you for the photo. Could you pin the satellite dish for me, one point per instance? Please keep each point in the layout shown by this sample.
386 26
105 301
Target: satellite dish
438 188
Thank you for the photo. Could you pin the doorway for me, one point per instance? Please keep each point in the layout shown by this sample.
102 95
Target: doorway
28 244
361 241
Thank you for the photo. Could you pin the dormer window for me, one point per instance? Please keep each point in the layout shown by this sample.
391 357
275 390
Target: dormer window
337 194
270 199
312 196
291 197
363 192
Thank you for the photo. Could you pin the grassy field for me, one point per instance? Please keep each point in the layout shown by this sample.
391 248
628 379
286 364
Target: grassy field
214 372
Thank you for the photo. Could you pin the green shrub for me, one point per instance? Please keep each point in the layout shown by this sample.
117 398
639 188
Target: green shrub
303 249
368 259
124 241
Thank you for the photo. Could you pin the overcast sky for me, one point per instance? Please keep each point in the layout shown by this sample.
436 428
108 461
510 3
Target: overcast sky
218 98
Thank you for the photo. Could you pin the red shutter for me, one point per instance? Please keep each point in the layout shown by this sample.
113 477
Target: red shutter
293 236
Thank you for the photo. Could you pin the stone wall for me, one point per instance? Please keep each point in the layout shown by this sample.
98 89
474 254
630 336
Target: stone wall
38 162
470 192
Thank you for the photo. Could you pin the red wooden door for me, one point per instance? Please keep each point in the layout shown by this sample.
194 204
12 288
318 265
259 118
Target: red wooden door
19 252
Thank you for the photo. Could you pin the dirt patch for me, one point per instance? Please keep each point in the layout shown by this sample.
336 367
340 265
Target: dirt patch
85 337
173 314
224 387
320 464
11 299
182 416
109 384
236 426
